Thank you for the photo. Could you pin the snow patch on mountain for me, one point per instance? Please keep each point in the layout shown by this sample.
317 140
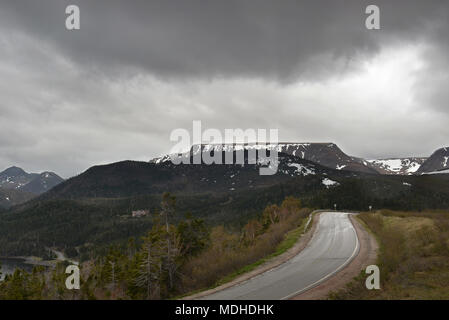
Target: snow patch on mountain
301 169
18 179
398 166
329 183
444 171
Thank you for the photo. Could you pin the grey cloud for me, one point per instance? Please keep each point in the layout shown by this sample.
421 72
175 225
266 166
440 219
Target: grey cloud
278 39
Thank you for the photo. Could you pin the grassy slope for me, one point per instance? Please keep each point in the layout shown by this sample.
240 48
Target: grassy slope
295 229
289 241
413 257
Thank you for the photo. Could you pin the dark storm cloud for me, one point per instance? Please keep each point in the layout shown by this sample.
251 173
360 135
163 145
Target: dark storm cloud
138 69
278 39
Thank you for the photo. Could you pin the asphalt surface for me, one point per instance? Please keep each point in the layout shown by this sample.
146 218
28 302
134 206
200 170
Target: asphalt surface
333 246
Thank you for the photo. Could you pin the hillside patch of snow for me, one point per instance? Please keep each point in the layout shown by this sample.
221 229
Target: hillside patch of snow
329 183
301 169
397 166
444 171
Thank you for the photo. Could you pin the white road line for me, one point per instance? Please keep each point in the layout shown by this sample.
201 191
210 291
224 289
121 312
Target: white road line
354 253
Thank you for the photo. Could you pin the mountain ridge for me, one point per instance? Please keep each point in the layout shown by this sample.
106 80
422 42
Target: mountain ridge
36 183
327 154
438 161
130 178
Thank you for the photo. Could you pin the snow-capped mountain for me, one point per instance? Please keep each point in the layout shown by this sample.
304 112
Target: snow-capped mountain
398 166
130 178
325 154
438 161
17 179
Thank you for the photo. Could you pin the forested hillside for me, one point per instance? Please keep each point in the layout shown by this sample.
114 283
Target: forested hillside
170 258
83 227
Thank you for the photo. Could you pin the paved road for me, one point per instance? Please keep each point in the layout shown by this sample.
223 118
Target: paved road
331 248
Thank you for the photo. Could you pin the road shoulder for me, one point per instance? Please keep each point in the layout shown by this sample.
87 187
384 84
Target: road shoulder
367 255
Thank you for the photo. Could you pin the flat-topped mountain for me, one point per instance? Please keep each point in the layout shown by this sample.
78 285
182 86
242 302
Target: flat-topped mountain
326 154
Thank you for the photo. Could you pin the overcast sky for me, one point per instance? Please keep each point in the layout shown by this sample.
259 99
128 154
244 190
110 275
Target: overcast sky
136 70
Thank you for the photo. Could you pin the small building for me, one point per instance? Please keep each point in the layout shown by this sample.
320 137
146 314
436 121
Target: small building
140 213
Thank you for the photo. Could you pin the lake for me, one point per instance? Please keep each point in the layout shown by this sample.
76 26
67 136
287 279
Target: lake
9 265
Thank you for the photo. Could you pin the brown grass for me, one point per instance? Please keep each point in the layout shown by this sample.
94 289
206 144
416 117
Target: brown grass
413 258
228 253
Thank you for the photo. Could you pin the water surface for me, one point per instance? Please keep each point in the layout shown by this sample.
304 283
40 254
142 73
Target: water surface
8 266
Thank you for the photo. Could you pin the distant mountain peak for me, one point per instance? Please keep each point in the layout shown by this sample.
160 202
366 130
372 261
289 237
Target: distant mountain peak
48 174
438 161
18 179
13 171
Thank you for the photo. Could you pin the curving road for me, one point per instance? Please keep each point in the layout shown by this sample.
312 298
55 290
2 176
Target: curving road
333 245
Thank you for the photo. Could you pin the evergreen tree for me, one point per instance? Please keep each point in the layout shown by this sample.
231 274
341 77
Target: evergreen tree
167 211
150 263
194 235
